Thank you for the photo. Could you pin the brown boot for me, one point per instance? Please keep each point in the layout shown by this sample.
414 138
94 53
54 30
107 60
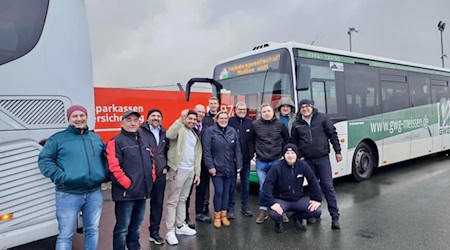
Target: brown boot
217 222
223 217
262 216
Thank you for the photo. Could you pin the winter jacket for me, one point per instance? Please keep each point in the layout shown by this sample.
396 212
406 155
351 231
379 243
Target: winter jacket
291 116
221 150
177 136
159 150
131 165
313 141
209 119
73 160
286 182
244 128
269 138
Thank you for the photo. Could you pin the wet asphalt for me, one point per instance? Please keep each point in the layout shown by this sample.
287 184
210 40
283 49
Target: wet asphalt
403 206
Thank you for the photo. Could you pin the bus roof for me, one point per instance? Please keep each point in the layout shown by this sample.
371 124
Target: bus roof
290 45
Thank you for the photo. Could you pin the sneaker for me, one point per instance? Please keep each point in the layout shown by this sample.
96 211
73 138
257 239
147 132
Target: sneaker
299 224
203 218
155 238
335 222
171 238
279 228
262 216
285 218
312 220
190 224
231 214
246 212
185 230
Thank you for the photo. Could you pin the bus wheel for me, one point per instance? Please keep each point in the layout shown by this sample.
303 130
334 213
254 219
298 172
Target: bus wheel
363 162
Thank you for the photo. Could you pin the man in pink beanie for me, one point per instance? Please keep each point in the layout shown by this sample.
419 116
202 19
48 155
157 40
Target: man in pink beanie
77 175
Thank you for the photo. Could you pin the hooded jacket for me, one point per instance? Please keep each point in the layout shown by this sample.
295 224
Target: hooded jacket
221 150
73 160
291 116
268 139
313 140
286 182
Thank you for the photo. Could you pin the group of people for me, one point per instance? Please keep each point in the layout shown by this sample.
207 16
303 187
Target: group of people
144 160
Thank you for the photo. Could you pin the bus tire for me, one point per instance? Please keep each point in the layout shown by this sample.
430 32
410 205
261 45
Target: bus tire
363 162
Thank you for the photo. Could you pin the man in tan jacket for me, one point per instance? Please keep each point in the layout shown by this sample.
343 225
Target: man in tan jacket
184 158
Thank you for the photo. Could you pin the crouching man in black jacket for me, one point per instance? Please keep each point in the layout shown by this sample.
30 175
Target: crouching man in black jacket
283 189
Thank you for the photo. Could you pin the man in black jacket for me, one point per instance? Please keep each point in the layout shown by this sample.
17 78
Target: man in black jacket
159 147
313 132
214 105
269 138
202 190
133 172
283 188
244 127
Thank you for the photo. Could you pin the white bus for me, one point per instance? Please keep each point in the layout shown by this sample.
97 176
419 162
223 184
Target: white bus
385 111
45 66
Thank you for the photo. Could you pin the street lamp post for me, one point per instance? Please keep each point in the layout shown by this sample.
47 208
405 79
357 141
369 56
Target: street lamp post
349 32
441 27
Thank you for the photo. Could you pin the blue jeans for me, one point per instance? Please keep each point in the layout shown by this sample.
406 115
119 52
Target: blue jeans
245 187
221 192
322 169
262 168
67 208
129 218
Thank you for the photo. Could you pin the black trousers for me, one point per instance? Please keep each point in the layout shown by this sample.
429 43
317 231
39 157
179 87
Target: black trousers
156 203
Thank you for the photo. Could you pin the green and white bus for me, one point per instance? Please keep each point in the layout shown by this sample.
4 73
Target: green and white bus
385 111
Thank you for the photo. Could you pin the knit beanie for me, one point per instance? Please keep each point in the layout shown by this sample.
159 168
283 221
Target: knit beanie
74 108
154 110
305 101
290 147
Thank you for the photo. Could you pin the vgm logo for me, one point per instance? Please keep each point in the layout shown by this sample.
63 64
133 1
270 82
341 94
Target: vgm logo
444 116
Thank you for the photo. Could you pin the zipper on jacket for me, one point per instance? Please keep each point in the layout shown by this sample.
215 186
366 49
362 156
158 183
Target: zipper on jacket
143 167
293 177
87 157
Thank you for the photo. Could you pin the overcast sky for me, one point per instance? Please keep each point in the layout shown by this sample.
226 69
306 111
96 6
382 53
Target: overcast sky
162 42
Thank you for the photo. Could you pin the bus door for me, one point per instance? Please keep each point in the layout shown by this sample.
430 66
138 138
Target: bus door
440 96
395 103
421 114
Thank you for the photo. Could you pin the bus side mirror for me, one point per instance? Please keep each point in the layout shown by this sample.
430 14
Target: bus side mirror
303 77
218 86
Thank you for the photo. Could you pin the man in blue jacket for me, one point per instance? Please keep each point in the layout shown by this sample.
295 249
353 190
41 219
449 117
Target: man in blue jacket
73 160
283 188
244 127
133 172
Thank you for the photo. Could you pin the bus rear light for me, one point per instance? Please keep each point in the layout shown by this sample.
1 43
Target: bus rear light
336 173
384 162
5 217
342 140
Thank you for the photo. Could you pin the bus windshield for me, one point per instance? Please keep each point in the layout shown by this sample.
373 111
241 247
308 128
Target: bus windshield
257 79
